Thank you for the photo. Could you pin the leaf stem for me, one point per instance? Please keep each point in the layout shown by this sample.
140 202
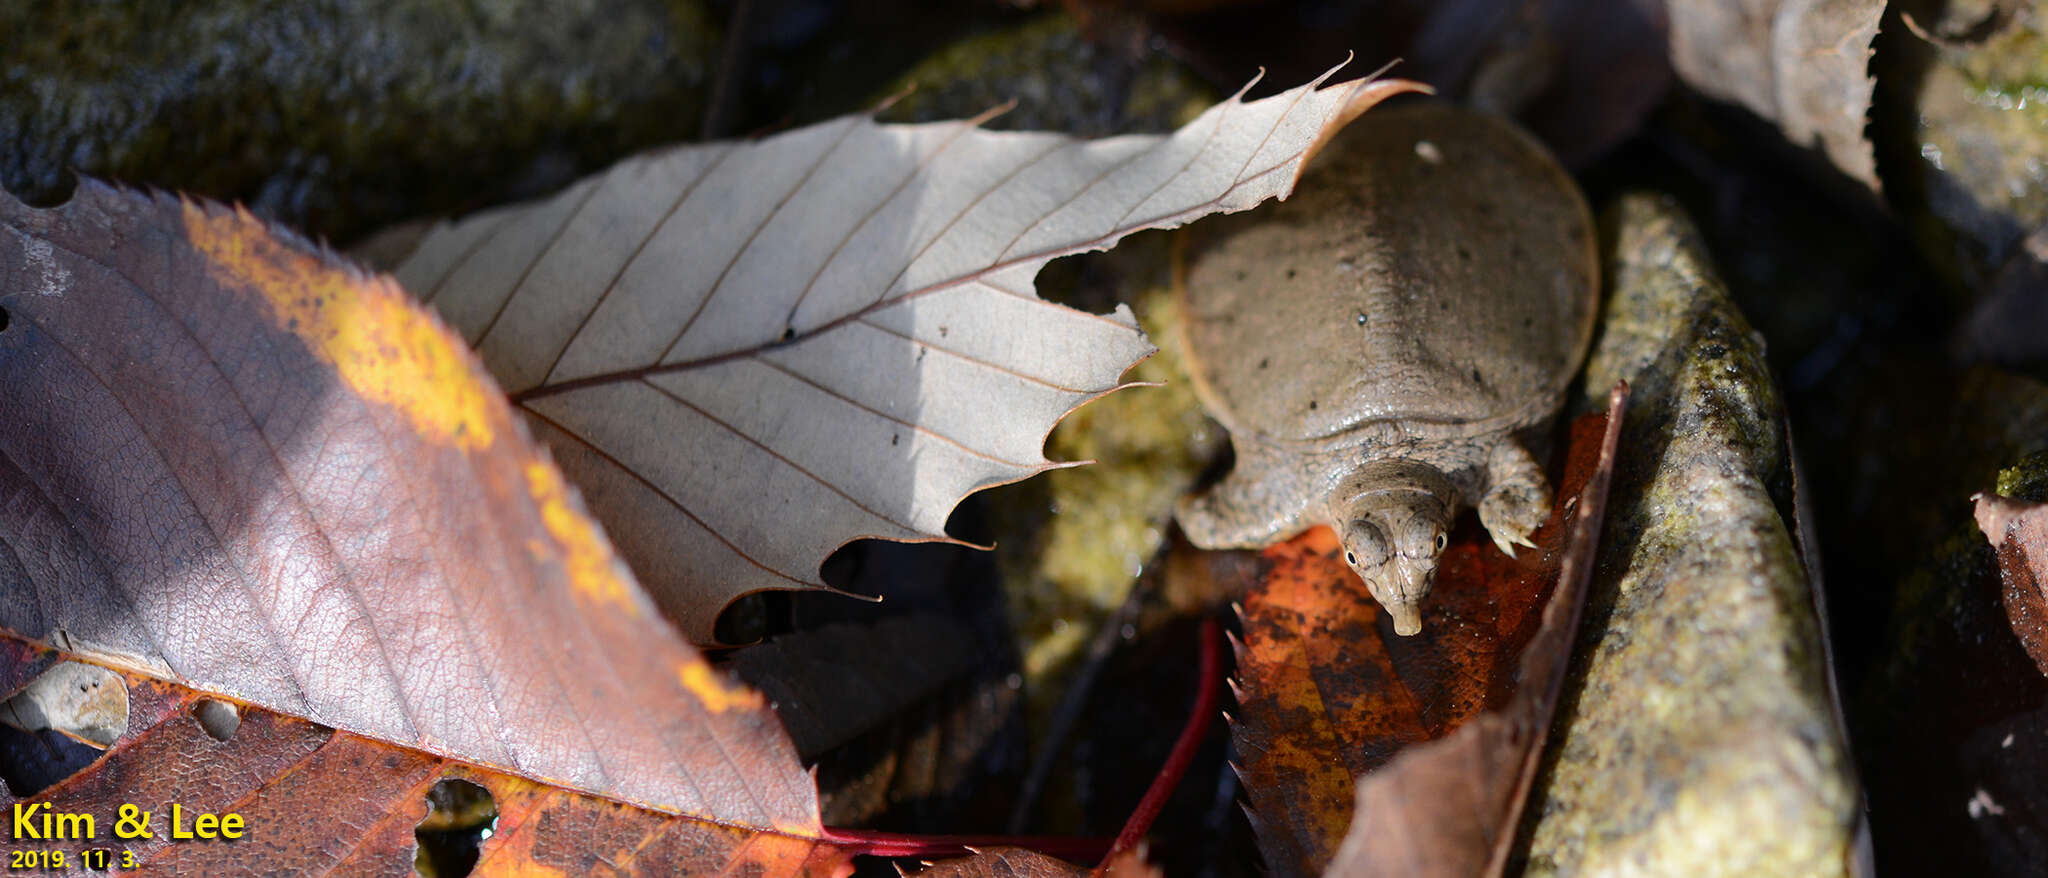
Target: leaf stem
1183 752
868 842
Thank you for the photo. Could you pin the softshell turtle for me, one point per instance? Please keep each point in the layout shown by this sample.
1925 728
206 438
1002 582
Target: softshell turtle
1375 343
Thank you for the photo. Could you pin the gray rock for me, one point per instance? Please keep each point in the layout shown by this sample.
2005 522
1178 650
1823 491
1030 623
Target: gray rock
1701 734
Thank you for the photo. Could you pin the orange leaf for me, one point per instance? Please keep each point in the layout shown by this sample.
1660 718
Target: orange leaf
1328 694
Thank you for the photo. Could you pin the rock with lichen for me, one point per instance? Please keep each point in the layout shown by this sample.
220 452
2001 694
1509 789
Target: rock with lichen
1701 734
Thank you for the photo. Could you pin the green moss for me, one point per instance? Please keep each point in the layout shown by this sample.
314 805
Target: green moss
2026 480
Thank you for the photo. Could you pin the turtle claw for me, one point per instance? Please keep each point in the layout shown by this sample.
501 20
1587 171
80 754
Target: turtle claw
1511 515
1517 501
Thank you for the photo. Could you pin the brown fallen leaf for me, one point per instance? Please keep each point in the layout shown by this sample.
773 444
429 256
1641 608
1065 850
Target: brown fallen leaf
751 354
1802 64
1330 699
317 801
2018 530
239 465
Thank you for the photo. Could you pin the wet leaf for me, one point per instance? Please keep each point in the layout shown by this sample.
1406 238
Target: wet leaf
237 464
1802 64
1331 699
750 354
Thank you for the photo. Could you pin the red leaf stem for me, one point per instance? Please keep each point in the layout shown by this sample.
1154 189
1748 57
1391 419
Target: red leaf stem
867 842
1191 735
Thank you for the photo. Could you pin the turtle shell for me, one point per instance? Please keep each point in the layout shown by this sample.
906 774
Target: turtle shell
1433 276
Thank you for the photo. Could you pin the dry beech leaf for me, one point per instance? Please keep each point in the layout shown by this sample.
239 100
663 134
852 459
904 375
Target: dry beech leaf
1390 755
2019 531
750 354
1802 64
238 464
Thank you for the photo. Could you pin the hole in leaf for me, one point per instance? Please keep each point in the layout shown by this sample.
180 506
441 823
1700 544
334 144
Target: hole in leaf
219 718
48 193
58 724
460 817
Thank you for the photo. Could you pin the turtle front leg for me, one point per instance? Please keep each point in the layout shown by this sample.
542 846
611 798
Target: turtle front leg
1517 496
1253 507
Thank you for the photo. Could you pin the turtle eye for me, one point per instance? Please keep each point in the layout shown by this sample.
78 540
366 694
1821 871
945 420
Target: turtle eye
1364 544
1441 541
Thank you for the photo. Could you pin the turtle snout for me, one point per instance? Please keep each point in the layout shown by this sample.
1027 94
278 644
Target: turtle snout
1401 585
1407 618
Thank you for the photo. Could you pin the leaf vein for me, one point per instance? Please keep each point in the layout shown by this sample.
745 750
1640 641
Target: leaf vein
627 263
785 461
740 252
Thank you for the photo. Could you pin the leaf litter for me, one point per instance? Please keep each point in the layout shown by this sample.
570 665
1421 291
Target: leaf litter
273 485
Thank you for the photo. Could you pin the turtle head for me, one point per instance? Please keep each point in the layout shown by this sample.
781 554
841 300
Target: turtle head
1393 534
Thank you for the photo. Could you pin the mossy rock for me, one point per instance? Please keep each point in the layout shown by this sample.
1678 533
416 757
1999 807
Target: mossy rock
1700 734
340 116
